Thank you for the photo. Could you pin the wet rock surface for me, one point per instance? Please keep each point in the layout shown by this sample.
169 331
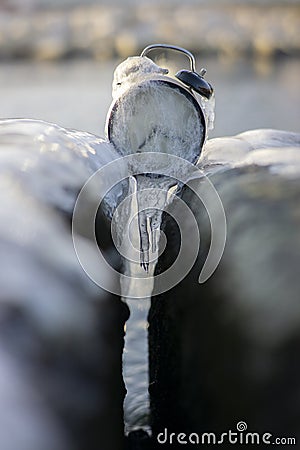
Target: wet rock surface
226 351
61 335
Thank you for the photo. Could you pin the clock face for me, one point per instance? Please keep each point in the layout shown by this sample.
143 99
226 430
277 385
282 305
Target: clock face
157 116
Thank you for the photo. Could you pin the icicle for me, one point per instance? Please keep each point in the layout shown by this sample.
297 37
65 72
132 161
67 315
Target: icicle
152 198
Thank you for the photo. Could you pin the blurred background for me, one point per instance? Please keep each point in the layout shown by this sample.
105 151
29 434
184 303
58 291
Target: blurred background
57 56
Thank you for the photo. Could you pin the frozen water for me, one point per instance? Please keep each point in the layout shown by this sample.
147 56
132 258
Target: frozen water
276 149
151 115
155 117
132 71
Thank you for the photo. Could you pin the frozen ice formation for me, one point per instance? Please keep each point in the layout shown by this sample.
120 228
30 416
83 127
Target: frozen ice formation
131 71
54 320
152 114
276 149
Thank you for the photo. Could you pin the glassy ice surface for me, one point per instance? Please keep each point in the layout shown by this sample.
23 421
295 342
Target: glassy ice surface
135 355
149 116
135 366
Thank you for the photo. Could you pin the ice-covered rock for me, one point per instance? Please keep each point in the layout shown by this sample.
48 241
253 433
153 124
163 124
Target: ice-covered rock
61 335
226 351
